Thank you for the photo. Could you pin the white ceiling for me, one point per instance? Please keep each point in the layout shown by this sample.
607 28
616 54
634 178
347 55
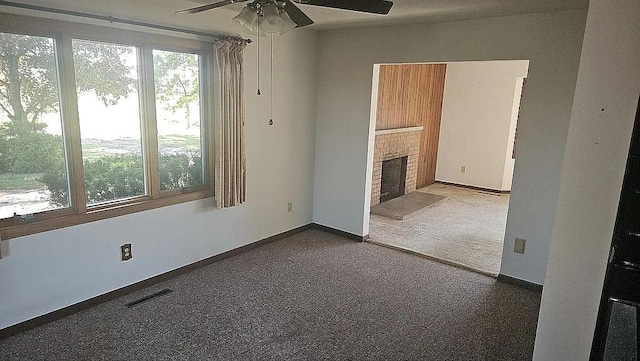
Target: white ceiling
219 20
412 11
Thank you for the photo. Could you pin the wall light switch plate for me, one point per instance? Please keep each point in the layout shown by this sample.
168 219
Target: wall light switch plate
289 206
463 169
125 249
519 245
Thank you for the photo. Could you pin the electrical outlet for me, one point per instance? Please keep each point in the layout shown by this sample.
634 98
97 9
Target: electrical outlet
125 249
519 245
463 169
289 206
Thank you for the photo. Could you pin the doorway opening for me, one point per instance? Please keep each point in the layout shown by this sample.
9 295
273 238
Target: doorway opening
454 125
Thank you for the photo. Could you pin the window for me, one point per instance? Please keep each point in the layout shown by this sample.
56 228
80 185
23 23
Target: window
31 145
109 111
177 92
98 122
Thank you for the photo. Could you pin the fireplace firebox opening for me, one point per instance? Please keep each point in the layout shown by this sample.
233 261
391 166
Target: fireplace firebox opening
394 175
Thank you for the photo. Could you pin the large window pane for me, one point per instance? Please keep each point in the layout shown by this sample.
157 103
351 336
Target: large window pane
108 104
33 175
178 119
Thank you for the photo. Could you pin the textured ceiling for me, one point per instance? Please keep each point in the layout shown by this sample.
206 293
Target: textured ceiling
403 11
406 11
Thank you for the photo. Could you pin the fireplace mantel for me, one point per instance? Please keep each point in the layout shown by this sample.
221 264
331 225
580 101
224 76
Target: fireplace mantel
398 130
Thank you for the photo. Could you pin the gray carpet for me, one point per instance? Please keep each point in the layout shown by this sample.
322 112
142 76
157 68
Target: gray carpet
311 296
404 206
621 342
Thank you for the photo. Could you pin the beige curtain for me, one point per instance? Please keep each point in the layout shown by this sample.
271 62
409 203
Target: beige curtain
228 116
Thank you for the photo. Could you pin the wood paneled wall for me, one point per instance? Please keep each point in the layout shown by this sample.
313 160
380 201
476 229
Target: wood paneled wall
410 95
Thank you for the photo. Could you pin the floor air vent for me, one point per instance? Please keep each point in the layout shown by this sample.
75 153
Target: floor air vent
166 291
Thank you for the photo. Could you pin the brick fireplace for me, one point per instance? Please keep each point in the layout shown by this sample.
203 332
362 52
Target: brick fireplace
391 144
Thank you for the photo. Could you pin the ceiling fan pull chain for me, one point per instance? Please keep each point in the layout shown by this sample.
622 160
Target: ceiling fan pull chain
271 84
258 61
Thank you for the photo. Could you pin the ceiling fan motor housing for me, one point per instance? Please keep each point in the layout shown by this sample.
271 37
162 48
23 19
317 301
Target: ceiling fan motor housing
296 15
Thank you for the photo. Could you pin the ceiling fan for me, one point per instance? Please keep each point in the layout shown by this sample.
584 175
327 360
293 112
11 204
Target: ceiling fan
280 16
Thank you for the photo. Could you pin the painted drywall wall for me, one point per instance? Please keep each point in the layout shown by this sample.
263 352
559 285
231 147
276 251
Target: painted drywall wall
551 42
510 162
477 116
597 146
51 270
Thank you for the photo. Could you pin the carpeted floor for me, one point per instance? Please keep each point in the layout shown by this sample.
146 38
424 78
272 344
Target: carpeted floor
622 338
308 297
467 228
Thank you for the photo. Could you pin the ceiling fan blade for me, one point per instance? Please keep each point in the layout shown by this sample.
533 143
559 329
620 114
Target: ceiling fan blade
368 6
199 9
298 17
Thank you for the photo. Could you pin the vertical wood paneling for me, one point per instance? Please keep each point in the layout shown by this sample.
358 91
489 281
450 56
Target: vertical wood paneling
431 122
411 95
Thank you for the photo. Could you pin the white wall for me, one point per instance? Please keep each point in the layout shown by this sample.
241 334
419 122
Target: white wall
551 42
477 116
601 123
51 270
509 162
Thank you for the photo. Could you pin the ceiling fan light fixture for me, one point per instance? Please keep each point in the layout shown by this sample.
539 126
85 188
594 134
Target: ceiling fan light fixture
287 23
247 19
257 28
272 22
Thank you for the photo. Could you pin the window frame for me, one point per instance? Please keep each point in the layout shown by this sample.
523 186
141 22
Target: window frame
63 33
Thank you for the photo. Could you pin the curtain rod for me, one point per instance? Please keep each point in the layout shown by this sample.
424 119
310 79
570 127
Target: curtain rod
112 19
